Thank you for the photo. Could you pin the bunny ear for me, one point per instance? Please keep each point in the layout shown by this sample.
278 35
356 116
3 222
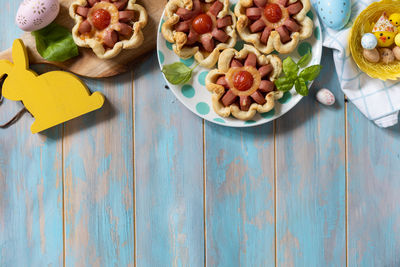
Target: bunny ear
20 55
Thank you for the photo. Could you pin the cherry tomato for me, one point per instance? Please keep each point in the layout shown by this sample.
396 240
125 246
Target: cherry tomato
273 13
202 24
101 19
243 80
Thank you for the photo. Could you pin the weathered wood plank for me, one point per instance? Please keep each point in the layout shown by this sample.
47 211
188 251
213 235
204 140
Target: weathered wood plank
240 196
311 179
169 175
373 192
98 169
31 231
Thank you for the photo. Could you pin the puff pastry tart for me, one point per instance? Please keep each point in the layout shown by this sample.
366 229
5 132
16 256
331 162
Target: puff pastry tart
243 83
108 26
274 24
200 28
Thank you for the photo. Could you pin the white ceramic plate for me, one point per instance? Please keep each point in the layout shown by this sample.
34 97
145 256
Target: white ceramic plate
195 96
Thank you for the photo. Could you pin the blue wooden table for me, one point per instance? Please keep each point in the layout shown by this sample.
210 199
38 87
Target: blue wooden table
145 182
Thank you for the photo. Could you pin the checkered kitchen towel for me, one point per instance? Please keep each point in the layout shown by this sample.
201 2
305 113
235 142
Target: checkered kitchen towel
379 101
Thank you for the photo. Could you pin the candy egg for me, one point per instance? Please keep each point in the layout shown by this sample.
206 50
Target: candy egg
387 55
334 13
397 39
33 15
369 41
396 52
325 97
372 55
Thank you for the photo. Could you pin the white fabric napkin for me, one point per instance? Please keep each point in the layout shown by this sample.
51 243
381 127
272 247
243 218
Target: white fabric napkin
379 101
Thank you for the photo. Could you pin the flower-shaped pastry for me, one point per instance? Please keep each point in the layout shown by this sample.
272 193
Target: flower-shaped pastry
274 24
243 84
108 26
200 28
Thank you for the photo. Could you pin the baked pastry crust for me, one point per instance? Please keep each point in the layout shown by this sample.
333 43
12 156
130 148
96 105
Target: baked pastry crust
134 41
224 68
274 41
179 39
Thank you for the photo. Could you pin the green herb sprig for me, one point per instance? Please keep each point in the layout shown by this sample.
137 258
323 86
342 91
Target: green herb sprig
178 73
299 81
55 43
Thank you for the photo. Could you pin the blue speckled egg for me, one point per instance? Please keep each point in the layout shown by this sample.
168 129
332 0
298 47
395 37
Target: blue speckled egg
369 41
334 13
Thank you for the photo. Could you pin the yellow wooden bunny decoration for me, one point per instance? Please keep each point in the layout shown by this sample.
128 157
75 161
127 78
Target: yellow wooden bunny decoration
52 98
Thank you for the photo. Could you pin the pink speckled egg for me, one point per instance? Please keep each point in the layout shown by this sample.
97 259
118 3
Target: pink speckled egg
33 15
325 97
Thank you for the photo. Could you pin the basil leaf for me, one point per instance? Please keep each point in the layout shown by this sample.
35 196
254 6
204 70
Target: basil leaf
177 73
284 84
290 68
301 87
55 43
305 60
311 73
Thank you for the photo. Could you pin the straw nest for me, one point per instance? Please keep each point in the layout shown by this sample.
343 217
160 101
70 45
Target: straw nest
361 26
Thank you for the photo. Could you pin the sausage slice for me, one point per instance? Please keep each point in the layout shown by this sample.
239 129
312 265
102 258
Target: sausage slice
284 34
260 3
292 25
257 26
229 98
121 4
207 42
224 22
216 8
265 35
295 8
266 86
82 11
265 70
220 35
253 13
236 63
110 38
85 27
258 97
126 16
193 37
125 29
222 81
245 103
251 60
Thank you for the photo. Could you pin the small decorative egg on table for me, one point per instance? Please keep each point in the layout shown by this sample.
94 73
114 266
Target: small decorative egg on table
325 97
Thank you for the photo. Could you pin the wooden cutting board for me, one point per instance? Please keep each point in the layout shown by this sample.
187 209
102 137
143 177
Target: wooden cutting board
87 63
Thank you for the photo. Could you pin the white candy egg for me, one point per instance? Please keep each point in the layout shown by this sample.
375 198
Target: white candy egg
325 97
369 41
33 15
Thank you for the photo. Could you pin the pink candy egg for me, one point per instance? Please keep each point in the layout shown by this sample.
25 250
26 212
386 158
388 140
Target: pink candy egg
325 97
33 15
